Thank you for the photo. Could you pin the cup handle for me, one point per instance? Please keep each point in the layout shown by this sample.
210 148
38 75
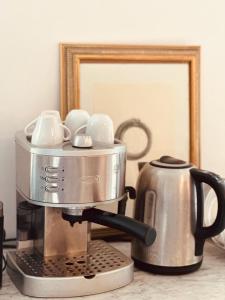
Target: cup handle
80 128
26 129
66 129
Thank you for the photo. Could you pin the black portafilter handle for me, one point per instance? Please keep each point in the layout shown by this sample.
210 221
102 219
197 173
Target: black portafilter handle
137 229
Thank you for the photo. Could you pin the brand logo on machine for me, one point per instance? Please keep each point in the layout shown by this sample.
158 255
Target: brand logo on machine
90 179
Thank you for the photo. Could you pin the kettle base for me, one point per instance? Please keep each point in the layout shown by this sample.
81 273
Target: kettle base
166 270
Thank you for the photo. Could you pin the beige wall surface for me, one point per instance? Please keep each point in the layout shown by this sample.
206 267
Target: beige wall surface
30 31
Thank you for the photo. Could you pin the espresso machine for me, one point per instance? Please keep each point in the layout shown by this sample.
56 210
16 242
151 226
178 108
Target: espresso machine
58 190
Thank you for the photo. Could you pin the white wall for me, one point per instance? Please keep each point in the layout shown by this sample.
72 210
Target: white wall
30 31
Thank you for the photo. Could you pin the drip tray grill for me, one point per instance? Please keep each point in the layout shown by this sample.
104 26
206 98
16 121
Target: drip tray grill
101 257
101 269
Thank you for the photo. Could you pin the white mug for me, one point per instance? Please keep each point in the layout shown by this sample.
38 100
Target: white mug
28 130
75 119
100 128
48 130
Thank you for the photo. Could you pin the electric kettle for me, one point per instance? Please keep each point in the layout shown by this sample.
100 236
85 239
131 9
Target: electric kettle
170 199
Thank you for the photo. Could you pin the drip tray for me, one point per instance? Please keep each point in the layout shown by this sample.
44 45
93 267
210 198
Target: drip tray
101 257
102 269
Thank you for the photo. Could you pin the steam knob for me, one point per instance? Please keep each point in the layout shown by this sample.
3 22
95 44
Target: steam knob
82 141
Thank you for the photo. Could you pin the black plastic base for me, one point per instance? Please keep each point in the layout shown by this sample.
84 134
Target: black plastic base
166 270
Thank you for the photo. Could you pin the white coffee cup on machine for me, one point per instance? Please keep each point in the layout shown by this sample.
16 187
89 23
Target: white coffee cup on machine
100 128
47 130
75 119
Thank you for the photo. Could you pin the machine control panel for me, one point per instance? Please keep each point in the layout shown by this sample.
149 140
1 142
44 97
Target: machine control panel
52 178
81 179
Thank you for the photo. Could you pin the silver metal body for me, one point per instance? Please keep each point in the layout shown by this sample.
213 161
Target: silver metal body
70 177
53 258
102 269
166 200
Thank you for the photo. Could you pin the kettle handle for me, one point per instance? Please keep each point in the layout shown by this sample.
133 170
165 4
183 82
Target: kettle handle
218 185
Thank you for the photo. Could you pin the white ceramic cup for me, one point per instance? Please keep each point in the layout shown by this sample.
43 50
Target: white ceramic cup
48 130
28 130
100 128
76 118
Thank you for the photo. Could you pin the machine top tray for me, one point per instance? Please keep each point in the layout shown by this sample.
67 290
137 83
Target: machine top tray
66 148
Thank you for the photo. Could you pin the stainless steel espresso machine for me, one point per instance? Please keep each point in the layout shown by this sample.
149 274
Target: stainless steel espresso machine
58 190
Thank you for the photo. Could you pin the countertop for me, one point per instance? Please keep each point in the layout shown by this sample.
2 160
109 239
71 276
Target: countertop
206 283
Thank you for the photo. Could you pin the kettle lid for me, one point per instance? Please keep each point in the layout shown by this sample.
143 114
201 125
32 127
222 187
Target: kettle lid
170 162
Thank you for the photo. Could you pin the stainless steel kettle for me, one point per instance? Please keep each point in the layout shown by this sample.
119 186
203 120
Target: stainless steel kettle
170 199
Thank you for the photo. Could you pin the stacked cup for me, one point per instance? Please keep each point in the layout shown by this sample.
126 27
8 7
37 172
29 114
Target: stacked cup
99 126
47 130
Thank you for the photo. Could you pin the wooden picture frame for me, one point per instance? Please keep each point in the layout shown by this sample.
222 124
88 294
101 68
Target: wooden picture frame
73 55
